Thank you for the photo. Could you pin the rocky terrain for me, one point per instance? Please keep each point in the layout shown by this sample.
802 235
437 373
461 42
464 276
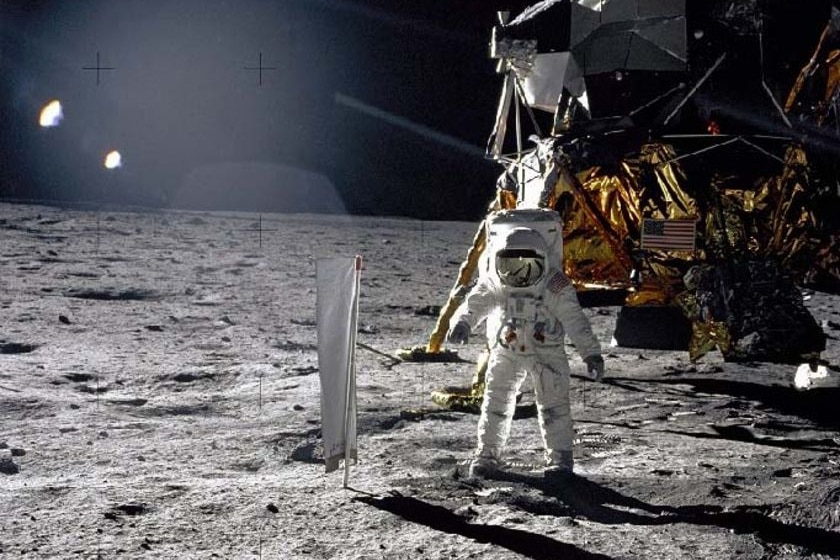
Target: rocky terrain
159 398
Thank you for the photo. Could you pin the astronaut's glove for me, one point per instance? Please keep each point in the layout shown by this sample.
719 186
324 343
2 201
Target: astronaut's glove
458 333
595 367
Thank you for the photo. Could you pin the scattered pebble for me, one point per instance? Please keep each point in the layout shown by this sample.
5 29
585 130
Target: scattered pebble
7 466
304 370
132 508
272 508
428 310
64 319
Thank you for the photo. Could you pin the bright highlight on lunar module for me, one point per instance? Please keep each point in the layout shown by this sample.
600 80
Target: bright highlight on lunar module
690 148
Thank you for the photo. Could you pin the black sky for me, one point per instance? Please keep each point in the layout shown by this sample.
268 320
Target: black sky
376 107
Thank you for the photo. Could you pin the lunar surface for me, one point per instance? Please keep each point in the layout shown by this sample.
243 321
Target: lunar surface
159 398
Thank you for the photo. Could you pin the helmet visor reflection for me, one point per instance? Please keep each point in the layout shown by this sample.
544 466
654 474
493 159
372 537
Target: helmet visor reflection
518 268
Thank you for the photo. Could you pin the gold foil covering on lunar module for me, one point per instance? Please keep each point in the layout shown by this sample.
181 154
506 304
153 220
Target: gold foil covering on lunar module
602 215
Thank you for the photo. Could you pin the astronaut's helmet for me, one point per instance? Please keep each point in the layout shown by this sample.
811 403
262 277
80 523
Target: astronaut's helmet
521 263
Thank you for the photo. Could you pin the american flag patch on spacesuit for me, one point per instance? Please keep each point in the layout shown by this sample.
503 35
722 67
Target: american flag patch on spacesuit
558 282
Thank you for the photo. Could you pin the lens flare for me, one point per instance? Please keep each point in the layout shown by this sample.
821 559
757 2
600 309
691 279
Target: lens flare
113 160
51 114
804 376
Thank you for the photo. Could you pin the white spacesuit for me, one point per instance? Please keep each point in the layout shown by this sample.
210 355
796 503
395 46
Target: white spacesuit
528 307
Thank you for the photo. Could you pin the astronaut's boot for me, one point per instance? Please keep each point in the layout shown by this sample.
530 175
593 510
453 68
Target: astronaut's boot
560 471
484 467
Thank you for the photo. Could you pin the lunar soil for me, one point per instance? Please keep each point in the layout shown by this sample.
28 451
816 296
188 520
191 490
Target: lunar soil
159 398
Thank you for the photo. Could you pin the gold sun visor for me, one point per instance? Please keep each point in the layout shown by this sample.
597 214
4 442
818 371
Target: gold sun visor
519 268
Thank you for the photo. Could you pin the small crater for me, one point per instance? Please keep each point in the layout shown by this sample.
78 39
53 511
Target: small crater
17 348
427 311
250 465
112 294
129 402
7 466
391 423
127 509
442 463
307 452
292 346
304 370
85 388
190 377
78 377
177 410
538 506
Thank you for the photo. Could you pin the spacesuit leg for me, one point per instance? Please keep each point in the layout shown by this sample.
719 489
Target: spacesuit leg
551 387
503 378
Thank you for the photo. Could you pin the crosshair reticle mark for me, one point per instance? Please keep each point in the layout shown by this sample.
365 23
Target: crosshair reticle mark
260 68
98 68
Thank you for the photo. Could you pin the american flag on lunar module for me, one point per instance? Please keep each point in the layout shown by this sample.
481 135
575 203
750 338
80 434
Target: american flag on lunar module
669 235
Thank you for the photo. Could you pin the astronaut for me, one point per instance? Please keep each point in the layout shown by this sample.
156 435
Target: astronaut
528 306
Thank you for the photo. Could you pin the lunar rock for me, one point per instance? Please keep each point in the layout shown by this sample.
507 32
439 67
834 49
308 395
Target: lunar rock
7 465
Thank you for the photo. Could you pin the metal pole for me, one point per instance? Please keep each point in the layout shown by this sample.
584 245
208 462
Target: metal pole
520 176
695 88
351 369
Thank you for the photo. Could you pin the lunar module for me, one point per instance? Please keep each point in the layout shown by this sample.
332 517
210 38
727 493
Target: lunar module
691 149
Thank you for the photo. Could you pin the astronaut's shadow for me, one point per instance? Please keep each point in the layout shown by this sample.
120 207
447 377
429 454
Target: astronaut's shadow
528 544
599 503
